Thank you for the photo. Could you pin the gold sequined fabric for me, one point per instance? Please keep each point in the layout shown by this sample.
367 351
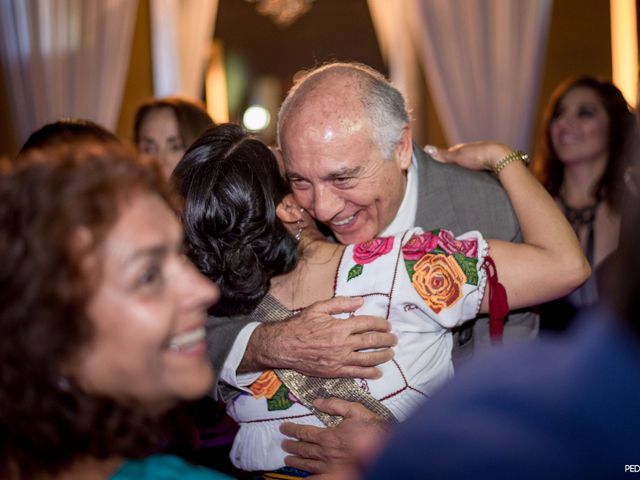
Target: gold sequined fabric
306 389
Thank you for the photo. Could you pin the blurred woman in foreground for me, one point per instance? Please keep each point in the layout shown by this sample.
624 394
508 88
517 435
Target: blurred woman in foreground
101 318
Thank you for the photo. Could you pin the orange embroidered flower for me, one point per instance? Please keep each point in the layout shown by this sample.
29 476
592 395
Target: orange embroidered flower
438 279
266 385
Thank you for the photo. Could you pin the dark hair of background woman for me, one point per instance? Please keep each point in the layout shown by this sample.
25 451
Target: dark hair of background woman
231 186
46 421
192 117
622 133
66 131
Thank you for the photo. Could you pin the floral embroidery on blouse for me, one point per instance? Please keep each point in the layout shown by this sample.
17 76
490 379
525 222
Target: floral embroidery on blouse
417 245
367 252
268 385
451 245
438 279
439 265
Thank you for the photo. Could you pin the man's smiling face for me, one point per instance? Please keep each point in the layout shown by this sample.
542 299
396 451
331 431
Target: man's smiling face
338 172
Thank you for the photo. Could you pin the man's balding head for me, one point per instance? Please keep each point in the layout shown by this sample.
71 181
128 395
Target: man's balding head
344 135
348 89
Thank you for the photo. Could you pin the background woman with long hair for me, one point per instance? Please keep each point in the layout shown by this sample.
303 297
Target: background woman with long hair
581 157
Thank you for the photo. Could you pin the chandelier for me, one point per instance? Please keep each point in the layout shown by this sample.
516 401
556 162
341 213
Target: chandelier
282 12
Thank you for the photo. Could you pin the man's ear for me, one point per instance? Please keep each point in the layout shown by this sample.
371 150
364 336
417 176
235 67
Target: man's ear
404 150
288 210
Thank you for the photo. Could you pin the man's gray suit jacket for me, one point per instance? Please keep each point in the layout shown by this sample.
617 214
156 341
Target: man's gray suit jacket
449 197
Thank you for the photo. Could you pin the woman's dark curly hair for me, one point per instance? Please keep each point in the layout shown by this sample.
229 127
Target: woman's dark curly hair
549 169
46 420
231 187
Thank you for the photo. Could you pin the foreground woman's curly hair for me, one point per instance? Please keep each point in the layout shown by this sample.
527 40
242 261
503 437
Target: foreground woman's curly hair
46 420
231 186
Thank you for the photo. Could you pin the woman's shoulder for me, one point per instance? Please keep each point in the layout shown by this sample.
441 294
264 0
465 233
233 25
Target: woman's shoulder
164 467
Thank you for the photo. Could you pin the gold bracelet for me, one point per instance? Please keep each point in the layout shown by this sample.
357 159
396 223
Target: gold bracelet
513 156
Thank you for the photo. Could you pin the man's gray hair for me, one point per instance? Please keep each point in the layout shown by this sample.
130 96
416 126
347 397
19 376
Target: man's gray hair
383 103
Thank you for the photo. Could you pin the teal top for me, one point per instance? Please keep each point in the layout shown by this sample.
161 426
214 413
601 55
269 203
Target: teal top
164 467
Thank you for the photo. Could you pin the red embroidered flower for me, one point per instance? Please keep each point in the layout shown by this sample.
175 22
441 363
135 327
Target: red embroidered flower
367 252
439 280
418 245
449 243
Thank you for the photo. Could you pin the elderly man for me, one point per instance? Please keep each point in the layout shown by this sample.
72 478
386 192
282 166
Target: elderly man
346 142
345 138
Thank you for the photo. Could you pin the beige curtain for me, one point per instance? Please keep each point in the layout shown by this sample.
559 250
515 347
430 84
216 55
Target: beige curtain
482 59
390 23
65 58
181 38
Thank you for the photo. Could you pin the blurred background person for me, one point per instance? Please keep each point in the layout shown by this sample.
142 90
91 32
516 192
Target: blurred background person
165 127
588 129
101 319
66 131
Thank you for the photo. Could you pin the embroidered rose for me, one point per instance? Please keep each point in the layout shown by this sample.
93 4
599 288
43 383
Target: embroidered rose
438 279
418 245
367 252
266 385
450 244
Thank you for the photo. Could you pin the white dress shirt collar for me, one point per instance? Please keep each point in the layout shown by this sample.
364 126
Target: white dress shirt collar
406 216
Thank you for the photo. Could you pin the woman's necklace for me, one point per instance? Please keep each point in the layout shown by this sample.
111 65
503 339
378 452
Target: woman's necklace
579 217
